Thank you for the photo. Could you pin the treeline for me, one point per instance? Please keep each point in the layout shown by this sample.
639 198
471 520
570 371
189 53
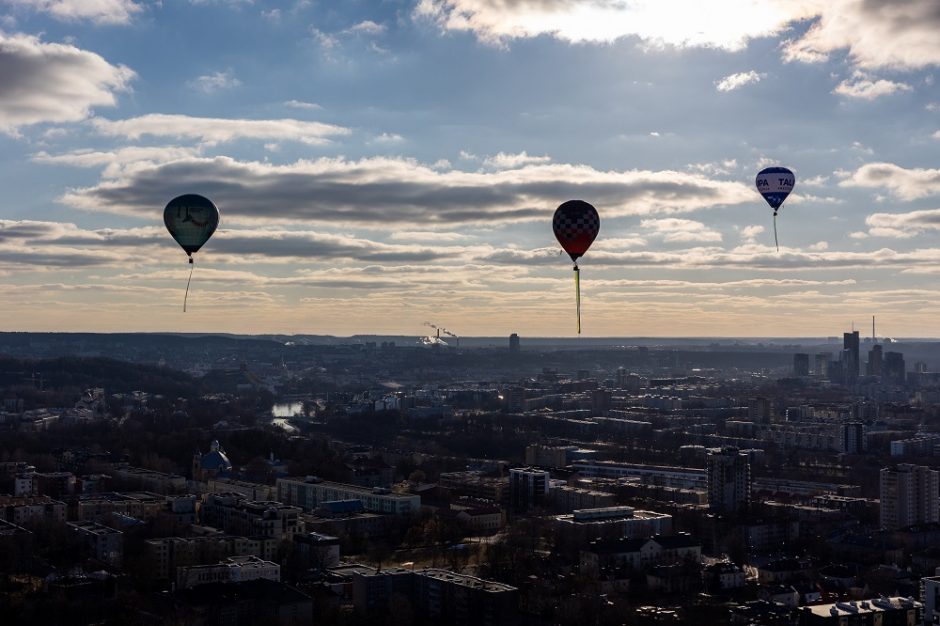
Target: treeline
81 373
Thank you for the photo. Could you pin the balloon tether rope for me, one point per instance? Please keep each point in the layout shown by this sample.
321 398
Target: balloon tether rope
577 294
775 232
192 266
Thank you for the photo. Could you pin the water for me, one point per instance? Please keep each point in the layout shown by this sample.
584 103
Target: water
287 409
284 425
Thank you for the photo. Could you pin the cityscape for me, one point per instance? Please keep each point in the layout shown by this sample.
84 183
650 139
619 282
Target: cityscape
319 480
469 312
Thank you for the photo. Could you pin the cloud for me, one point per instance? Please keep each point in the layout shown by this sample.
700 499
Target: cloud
216 81
749 233
218 130
388 138
815 181
36 242
748 256
114 161
366 27
326 40
431 236
903 225
680 230
386 191
863 87
728 24
735 81
97 11
502 160
906 184
899 34
299 104
52 82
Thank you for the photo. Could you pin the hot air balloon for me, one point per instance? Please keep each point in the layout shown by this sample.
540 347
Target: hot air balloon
191 220
775 184
576 225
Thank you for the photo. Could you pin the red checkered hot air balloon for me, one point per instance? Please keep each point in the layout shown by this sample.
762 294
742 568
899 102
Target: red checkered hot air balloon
576 225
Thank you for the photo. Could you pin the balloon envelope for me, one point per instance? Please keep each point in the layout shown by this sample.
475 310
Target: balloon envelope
775 184
576 225
191 220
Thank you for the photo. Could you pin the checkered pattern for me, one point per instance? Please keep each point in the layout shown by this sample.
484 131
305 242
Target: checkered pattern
575 219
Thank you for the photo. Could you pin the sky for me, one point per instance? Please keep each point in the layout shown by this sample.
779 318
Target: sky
383 163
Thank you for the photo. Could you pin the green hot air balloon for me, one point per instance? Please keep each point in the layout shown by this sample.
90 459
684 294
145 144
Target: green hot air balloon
191 220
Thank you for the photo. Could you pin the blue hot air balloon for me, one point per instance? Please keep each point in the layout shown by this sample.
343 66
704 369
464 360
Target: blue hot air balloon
191 220
775 184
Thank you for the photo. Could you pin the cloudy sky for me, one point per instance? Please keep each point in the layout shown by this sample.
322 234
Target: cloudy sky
380 163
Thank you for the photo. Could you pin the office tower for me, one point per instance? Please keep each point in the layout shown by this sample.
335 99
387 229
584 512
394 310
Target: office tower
909 495
514 345
874 361
893 368
850 362
528 488
728 478
821 368
801 365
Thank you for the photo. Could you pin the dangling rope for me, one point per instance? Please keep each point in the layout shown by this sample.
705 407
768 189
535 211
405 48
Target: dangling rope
192 266
577 294
775 232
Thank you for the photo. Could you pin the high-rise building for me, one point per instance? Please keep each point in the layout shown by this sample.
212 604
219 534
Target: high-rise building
853 438
893 370
800 364
528 488
514 345
874 361
621 378
821 368
600 402
909 495
930 596
850 356
728 479
760 409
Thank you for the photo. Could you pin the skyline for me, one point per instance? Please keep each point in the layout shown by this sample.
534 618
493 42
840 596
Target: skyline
381 164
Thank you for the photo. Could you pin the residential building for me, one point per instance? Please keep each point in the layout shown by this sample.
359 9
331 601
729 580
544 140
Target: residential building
317 550
233 514
728 480
310 493
909 495
890 611
437 596
233 569
528 488
930 598
106 543
625 554
624 521
26 510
